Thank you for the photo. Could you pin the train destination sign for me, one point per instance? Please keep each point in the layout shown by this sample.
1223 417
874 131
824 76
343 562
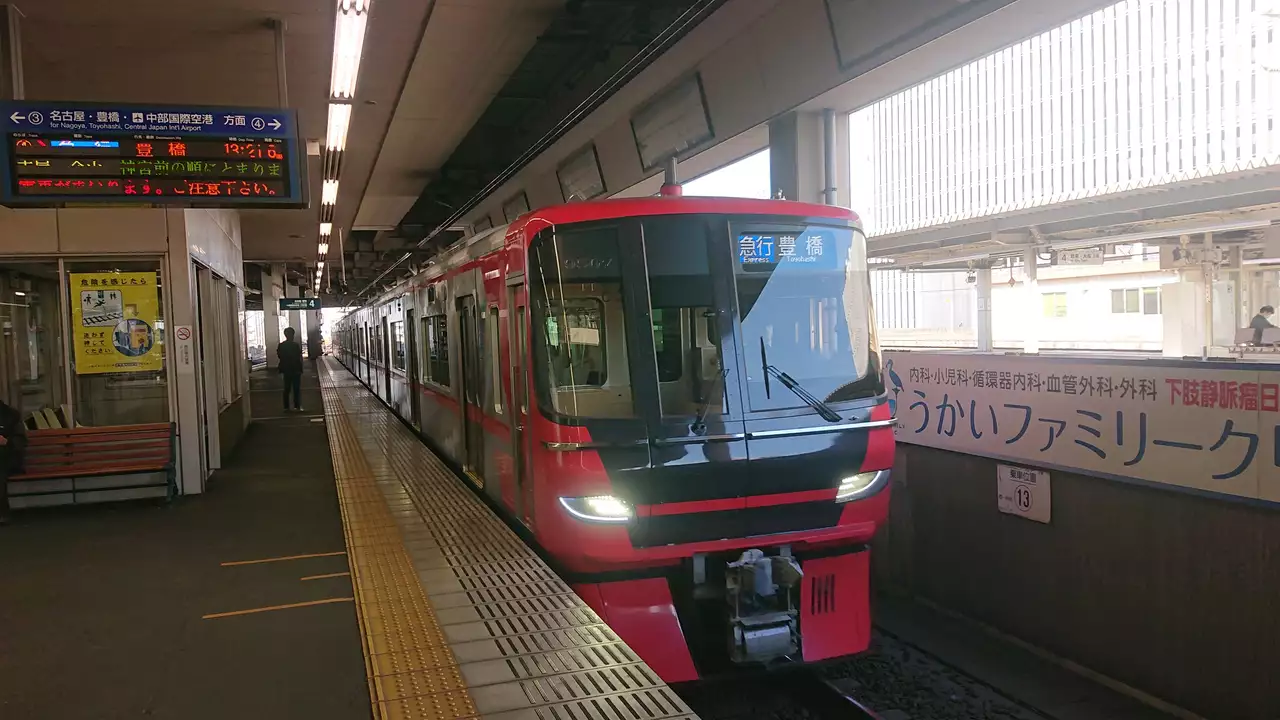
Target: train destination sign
56 154
307 303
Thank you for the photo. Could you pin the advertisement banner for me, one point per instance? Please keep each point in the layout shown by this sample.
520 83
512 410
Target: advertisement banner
1212 427
114 319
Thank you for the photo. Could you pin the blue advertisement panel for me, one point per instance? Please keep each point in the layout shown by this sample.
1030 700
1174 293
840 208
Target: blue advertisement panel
56 154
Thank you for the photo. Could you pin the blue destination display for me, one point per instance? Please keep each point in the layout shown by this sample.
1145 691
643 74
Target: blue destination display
307 303
811 249
54 154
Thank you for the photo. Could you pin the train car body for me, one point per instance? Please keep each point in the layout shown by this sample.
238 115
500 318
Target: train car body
680 400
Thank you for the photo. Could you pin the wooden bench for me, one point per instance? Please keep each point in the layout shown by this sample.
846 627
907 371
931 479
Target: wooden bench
77 454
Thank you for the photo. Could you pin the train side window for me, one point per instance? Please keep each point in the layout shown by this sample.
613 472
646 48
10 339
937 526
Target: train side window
397 339
435 330
494 360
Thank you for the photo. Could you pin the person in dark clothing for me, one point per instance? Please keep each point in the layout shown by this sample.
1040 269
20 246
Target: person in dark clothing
1261 322
13 445
313 346
290 354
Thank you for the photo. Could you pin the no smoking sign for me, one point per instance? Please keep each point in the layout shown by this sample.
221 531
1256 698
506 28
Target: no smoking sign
183 332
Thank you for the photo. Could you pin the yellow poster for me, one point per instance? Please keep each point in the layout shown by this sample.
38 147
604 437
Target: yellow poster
114 322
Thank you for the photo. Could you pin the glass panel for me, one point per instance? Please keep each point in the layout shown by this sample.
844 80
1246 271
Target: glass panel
397 339
1151 301
436 330
579 324
1117 301
495 362
804 303
1131 300
31 354
1055 305
683 303
118 337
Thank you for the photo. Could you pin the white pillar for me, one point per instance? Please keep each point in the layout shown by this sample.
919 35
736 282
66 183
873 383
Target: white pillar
272 291
180 284
295 319
1034 304
983 288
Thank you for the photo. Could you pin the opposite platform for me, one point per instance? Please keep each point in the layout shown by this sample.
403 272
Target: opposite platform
459 618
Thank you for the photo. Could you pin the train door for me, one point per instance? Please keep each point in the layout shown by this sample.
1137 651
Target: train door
472 388
411 329
384 350
696 427
367 371
518 343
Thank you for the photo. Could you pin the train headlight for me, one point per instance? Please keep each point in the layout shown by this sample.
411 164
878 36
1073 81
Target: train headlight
599 508
861 485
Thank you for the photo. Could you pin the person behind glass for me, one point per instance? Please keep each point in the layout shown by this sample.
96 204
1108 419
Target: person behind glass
290 354
1261 321
313 346
13 444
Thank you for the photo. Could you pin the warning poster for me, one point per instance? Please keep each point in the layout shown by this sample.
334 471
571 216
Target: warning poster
114 322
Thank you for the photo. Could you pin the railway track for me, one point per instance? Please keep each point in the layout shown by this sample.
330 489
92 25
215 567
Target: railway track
894 680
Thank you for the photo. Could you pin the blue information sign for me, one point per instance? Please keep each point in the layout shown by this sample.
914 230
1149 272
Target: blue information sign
72 153
307 303
812 249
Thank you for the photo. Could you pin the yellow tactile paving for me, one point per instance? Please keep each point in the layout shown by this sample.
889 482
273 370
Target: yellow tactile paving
411 671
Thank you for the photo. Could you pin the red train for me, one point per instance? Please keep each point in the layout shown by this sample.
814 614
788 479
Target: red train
680 400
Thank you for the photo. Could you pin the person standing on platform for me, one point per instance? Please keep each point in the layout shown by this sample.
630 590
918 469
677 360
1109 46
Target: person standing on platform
13 445
1261 322
290 354
313 348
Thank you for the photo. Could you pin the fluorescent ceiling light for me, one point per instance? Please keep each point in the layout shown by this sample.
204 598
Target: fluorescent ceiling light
329 193
19 293
348 44
326 228
319 267
339 121
324 248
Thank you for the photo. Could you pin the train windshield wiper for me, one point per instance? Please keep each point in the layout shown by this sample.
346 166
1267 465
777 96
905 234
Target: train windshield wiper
823 409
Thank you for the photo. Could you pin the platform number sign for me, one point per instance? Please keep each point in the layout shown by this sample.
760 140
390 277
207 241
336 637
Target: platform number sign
1024 492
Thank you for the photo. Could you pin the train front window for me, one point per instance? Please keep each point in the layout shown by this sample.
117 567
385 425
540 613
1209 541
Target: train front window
579 346
803 301
686 338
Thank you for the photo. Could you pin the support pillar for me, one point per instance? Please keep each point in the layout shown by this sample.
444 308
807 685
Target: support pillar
796 156
983 288
272 291
1032 302
295 318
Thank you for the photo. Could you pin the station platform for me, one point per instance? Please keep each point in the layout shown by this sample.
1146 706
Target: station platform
458 617
402 597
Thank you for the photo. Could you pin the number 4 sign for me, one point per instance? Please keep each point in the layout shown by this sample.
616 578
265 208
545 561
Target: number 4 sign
1024 492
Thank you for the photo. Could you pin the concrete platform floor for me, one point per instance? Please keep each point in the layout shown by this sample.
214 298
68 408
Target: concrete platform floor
102 608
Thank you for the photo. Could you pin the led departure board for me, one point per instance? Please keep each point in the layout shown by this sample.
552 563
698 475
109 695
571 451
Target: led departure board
57 154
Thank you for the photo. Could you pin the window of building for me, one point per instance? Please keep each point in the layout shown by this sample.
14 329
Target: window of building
32 370
397 345
1136 300
1151 301
124 313
1055 304
435 330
